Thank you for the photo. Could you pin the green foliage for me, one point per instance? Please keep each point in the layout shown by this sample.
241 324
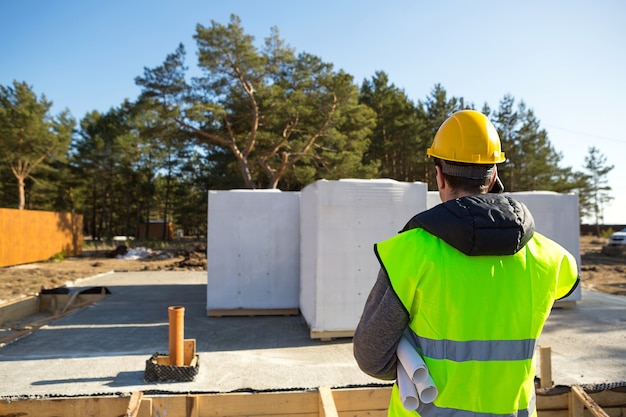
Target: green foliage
57 257
30 138
595 191
154 244
606 233
395 141
532 162
433 112
277 114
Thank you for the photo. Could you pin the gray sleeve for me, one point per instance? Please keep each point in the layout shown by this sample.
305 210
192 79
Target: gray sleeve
381 326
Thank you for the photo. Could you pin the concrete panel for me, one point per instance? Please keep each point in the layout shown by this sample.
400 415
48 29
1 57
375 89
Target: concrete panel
340 222
557 217
253 249
432 199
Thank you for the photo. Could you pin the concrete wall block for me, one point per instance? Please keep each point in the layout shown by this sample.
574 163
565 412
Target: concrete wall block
340 222
253 249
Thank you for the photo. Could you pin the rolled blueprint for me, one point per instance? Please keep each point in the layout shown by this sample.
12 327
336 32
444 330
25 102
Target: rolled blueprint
426 390
407 389
412 361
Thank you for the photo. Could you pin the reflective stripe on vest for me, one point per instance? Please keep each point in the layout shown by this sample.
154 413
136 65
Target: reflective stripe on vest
477 350
431 410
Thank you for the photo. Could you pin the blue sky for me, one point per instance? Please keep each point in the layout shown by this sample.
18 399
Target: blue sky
565 59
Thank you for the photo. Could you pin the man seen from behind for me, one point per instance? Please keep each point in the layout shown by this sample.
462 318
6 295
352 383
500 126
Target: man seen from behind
470 282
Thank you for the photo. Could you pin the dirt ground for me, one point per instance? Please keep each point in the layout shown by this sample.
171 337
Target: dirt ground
603 271
603 267
24 280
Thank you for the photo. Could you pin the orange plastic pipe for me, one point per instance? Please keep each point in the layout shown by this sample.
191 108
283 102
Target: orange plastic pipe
177 333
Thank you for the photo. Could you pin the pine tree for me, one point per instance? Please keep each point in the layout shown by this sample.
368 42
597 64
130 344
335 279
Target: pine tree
279 115
395 140
597 193
30 138
432 113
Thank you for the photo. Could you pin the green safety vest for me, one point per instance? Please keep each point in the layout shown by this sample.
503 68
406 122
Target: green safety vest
477 319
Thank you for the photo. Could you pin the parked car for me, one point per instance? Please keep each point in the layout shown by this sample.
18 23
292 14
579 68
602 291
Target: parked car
618 238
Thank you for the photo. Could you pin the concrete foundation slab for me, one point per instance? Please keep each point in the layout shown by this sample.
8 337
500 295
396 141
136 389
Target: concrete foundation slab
102 349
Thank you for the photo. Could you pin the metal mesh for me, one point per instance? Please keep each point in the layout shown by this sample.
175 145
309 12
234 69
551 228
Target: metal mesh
155 372
617 386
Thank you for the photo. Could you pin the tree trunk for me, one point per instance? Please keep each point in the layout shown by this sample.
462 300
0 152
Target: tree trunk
20 186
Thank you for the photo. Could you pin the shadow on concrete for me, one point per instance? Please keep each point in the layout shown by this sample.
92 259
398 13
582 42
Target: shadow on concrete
122 379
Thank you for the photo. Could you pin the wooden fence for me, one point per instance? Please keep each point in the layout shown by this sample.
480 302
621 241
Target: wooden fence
153 230
31 236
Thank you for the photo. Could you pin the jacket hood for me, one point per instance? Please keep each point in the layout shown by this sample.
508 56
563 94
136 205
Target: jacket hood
485 224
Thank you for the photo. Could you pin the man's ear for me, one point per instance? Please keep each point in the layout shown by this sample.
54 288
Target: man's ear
439 177
496 185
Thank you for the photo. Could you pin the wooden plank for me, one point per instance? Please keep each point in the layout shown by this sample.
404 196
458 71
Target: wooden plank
545 367
328 335
18 309
30 327
553 402
326 403
362 399
175 405
552 413
163 360
371 413
145 407
52 303
59 303
69 302
253 312
66 407
86 299
611 411
345 402
192 406
575 408
133 404
581 400
12 337
189 351
259 404
609 398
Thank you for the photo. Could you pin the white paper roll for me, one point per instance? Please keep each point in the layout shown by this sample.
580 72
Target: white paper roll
408 391
412 361
426 390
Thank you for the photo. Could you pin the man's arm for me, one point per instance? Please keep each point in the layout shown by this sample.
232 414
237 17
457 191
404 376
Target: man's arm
379 331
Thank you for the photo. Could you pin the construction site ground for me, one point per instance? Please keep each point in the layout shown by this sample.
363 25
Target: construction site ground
600 272
103 348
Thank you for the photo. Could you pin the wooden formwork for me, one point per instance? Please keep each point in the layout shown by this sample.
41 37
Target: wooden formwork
576 401
329 402
371 401
560 401
24 316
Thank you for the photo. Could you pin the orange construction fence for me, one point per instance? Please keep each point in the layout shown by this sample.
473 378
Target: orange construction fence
31 236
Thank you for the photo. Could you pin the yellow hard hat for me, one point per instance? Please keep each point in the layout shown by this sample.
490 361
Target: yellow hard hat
467 136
